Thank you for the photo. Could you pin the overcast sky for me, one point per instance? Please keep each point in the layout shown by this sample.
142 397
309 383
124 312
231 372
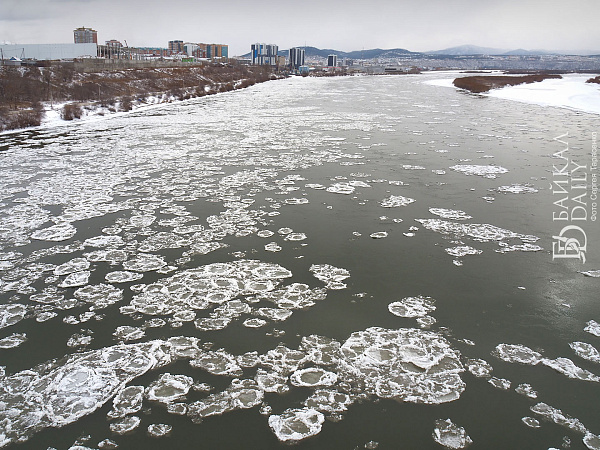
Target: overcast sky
417 25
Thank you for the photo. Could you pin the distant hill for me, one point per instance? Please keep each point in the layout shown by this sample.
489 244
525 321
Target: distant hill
466 50
312 52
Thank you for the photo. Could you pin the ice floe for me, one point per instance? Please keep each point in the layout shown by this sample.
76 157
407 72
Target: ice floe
394 201
56 233
450 214
313 376
591 273
296 424
412 307
517 189
517 354
450 435
586 351
482 171
592 327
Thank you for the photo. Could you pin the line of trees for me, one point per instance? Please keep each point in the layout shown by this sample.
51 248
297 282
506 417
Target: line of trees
24 89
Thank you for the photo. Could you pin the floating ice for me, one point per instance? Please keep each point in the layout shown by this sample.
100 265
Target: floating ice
479 368
591 273
592 441
394 201
12 341
127 333
295 237
313 376
55 233
412 307
128 401
241 394
500 383
379 235
141 221
450 435
463 250
569 369
517 354
11 313
407 364
265 233
531 422
123 276
517 189
483 171
218 363
328 401
526 390
558 417
125 425
273 247
341 188
76 279
480 232
592 327
56 395
586 351
169 388
104 241
296 424
99 295
426 321
296 201
157 430
144 262
450 214
271 381
79 340
75 265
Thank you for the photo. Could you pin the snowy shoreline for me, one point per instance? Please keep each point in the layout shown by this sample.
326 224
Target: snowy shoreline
571 92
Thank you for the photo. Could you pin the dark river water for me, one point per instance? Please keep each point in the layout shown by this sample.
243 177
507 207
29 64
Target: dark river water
343 263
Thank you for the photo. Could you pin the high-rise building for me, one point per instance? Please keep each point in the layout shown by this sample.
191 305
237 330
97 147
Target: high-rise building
264 54
332 61
217 51
85 36
176 47
296 58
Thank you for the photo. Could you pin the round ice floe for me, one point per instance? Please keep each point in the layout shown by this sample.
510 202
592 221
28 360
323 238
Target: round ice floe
125 425
273 247
76 279
328 401
100 295
75 265
128 401
169 388
271 381
144 262
254 322
517 354
379 235
295 237
55 233
407 364
591 441
276 314
313 376
394 201
265 233
141 221
157 430
218 363
412 307
296 424
123 276
241 394
104 241
450 435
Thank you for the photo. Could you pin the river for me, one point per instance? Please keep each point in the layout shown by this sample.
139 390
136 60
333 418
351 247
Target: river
338 263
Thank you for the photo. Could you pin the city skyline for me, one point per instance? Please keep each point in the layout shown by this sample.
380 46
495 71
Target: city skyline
344 26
